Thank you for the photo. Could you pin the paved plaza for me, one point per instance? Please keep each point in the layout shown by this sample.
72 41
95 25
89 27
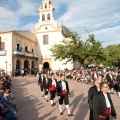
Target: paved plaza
31 106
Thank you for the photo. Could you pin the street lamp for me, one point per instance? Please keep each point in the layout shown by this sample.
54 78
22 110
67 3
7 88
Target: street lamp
41 58
6 67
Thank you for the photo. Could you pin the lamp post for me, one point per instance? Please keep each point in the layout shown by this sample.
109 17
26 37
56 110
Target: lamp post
41 59
6 67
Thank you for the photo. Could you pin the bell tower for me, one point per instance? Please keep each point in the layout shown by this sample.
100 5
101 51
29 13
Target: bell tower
46 12
46 19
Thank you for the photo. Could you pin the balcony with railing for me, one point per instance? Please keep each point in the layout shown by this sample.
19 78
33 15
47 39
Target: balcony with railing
2 52
25 54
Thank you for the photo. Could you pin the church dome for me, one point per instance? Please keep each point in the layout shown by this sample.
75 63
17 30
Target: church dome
64 30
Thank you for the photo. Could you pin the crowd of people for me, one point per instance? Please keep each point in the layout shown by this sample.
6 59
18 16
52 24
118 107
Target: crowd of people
103 83
7 102
54 87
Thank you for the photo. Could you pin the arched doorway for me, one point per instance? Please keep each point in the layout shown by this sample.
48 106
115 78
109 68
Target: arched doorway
32 65
18 64
26 64
46 65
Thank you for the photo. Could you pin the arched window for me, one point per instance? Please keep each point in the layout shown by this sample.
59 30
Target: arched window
48 16
45 6
43 17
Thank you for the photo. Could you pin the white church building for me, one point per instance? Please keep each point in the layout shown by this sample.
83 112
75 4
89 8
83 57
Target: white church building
29 50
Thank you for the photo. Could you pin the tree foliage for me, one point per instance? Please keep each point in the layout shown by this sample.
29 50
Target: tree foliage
112 55
68 48
74 49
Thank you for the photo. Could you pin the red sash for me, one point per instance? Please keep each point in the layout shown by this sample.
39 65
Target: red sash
52 87
95 78
41 83
64 92
107 114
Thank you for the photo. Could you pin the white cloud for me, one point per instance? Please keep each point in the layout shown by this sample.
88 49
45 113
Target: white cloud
107 36
11 18
100 17
6 13
29 26
27 8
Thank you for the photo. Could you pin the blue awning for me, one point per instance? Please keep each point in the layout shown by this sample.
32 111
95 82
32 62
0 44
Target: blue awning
2 52
25 54
19 53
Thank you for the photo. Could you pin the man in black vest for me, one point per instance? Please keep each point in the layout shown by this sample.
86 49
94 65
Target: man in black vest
93 91
40 83
63 94
118 83
103 107
52 86
45 85
109 78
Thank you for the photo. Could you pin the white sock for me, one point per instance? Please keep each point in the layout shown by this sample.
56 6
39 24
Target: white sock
118 94
68 109
109 91
112 90
51 102
46 97
42 93
60 107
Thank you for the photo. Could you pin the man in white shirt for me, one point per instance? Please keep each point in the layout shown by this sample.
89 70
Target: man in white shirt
102 104
63 95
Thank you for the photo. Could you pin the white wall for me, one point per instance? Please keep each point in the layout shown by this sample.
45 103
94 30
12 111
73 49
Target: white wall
7 38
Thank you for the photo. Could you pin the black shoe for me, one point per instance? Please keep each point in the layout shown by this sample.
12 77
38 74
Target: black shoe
70 115
53 104
61 113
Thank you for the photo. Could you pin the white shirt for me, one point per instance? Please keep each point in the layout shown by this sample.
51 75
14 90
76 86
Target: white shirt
63 85
22 71
54 82
98 89
110 76
107 100
95 75
46 80
42 78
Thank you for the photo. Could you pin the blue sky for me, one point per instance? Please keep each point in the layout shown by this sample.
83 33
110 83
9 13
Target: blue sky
101 17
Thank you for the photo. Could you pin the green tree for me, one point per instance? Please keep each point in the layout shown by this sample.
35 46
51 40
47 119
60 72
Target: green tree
113 55
74 49
69 48
94 51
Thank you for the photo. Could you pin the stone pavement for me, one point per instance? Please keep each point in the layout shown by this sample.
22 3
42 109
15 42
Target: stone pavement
31 106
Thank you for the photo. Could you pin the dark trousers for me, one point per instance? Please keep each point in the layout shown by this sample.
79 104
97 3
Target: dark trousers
41 88
91 114
52 94
111 85
46 92
64 98
118 88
